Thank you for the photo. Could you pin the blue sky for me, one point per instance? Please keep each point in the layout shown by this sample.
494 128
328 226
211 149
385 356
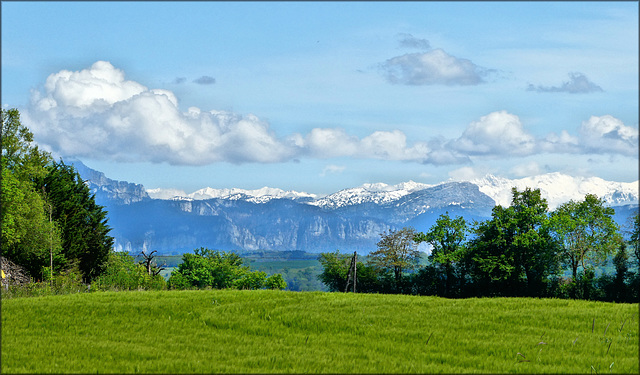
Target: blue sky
321 96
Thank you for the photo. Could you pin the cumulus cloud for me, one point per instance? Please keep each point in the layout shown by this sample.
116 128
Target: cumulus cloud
497 133
607 134
98 113
205 80
578 84
409 41
560 143
435 67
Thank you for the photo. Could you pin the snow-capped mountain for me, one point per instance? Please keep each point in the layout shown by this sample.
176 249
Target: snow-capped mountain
369 193
559 188
262 195
172 221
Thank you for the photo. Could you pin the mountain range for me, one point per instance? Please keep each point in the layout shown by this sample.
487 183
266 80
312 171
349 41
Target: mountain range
174 222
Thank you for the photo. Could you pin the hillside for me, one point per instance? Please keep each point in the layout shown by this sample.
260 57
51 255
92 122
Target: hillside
226 331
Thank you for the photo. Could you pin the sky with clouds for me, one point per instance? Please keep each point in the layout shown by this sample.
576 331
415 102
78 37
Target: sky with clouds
321 96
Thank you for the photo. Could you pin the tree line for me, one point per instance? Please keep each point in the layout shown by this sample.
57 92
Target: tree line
50 222
51 226
522 250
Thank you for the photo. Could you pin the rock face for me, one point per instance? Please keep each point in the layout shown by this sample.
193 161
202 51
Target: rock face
272 219
108 190
284 224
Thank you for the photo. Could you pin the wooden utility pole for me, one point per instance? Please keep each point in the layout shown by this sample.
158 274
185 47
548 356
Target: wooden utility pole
352 272
50 246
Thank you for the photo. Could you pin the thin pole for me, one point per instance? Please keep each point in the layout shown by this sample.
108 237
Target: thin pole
355 262
50 246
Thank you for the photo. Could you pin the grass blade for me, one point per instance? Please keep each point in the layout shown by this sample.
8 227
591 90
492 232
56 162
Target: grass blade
427 343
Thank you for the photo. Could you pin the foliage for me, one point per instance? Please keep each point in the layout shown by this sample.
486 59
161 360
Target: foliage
48 217
276 282
233 331
29 237
514 252
85 233
520 251
251 280
207 268
447 238
586 232
123 273
335 267
634 240
67 282
397 252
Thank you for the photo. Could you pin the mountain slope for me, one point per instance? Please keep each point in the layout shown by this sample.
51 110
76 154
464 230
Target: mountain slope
558 188
349 220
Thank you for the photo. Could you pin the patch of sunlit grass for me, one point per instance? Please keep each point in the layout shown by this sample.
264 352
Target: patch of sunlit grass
231 331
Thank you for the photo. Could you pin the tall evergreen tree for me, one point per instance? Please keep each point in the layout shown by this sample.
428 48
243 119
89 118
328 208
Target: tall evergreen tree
85 233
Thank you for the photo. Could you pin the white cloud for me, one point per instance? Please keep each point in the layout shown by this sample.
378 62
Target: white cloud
468 173
432 68
328 143
528 169
497 133
562 143
607 134
97 113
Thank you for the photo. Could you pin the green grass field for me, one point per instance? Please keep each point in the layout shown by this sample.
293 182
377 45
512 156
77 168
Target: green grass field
230 331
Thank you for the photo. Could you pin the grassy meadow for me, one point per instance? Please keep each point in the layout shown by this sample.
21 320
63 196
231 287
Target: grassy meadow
262 331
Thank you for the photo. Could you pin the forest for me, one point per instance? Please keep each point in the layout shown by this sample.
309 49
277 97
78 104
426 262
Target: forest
522 251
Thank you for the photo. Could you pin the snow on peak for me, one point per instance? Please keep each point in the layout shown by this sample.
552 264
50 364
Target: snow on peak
370 192
160 193
558 188
261 195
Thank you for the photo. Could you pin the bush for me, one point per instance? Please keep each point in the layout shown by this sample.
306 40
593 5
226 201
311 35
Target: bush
275 281
251 280
219 270
122 273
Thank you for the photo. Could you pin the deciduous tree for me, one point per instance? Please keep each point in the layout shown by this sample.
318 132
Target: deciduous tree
397 252
586 232
513 252
29 237
446 237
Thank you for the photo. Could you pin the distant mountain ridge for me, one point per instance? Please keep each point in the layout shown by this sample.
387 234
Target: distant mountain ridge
559 188
350 220
556 187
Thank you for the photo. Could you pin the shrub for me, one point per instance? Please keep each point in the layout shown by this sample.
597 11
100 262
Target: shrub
122 273
275 281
